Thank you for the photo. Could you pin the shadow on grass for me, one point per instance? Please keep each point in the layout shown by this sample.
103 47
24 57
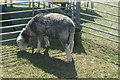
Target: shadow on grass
55 44
50 65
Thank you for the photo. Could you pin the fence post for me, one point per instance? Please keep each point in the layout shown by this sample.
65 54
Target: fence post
73 9
0 29
77 14
1 66
5 2
11 4
44 4
32 7
77 23
29 3
38 4
1 18
92 4
49 4
119 24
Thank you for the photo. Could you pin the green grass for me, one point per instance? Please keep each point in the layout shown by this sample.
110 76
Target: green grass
100 62
93 57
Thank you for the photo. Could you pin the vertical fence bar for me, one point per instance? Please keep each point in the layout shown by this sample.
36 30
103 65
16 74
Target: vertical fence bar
49 4
87 4
38 4
32 16
92 4
1 43
72 4
77 22
0 29
119 38
5 2
44 4
119 28
29 4
33 8
11 5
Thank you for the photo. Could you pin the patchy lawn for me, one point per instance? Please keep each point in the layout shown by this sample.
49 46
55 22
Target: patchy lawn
93 57
91 60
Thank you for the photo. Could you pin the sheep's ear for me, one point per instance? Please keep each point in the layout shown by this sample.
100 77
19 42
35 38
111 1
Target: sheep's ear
25 36
24 33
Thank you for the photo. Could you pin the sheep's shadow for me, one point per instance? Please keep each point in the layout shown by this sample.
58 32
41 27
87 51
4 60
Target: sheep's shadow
55 44
51 65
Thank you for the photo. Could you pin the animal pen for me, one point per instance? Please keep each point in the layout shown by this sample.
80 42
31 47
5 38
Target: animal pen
86 15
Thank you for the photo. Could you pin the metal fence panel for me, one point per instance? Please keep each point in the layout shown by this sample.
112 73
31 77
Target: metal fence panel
101 18
33 10
73 12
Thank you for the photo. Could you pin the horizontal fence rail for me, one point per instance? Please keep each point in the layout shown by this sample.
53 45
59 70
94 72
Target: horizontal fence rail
101 37
100 24
108 4
5 27
8 33
100 30
15 19
8 40
99 17
26 11
19 2
101 11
